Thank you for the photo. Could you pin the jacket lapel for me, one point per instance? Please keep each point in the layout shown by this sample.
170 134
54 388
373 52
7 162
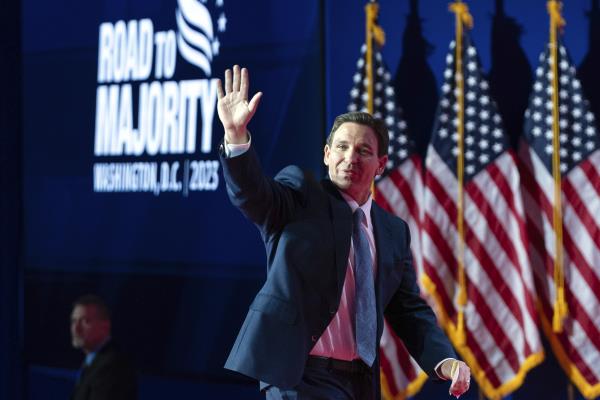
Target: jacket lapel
383 246
341 214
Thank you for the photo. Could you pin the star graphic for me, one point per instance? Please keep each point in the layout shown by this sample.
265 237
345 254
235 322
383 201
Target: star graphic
216 45
222 22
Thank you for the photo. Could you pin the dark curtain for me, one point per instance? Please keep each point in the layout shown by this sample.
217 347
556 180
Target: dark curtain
11 373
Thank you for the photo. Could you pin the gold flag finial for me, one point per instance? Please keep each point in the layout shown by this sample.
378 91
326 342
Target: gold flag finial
372 14
462 12
555 10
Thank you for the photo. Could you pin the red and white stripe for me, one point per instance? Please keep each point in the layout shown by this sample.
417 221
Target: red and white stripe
578 346
401 376
502 339
400 193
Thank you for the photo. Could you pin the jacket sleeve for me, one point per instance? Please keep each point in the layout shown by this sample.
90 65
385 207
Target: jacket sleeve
269 203
413 320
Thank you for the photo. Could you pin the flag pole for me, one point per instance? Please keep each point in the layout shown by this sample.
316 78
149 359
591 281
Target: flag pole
462 17
560 305
371 10
373 32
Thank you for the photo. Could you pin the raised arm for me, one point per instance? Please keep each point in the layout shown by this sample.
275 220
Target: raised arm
233 107
265 201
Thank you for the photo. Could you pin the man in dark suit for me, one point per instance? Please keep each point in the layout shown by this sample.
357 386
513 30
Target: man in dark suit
337 263
105 374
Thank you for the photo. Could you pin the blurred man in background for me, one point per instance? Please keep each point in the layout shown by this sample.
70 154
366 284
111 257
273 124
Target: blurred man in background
105 373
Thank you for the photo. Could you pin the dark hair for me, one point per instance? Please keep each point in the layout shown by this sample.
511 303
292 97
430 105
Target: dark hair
366 119
93 300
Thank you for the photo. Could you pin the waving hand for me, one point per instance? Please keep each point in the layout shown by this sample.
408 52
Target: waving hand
233 107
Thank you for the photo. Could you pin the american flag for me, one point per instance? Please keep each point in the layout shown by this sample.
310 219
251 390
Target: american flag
502 341
399 192
577 347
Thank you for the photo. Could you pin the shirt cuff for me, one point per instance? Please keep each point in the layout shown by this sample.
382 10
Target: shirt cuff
234 150
438 368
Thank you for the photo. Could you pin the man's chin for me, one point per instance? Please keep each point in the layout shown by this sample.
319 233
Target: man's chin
343 183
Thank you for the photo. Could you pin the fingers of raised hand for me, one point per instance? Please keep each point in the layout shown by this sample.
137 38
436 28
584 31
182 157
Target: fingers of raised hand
228 82
220 93
236 83
236 78
244 83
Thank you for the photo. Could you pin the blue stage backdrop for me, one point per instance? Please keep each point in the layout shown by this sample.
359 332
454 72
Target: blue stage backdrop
123 192
123 189
121 131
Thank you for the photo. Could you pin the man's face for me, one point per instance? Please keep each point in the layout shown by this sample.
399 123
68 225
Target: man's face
352 160
88 329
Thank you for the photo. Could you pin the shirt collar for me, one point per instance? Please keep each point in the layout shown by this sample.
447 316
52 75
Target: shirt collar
366 207
89 357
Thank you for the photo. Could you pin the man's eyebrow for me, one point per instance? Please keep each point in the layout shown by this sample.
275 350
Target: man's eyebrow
346 141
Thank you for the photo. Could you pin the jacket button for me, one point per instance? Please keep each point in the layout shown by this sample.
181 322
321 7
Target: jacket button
313 338
332 312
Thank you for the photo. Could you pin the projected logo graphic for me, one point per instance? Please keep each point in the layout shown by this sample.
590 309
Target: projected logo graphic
195 38
136 71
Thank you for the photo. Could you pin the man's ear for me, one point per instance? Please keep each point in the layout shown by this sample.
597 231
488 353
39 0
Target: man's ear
326 151
382 162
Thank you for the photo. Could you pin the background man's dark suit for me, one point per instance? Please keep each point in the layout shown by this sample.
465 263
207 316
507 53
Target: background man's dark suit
306 226
109 377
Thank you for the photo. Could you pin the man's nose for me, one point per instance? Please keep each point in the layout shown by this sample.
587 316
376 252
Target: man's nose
352 155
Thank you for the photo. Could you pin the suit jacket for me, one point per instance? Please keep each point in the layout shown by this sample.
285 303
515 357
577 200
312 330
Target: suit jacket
110 376
306 226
